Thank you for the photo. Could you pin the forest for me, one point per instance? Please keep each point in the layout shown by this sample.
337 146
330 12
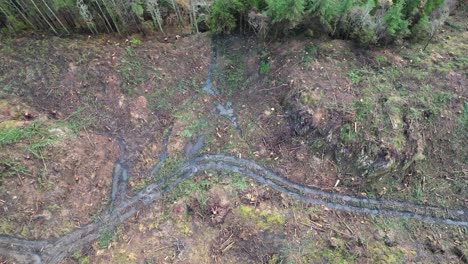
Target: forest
368 22
233 131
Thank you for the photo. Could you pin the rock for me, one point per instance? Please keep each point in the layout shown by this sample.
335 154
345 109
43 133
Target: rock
335 242
29 115
389 242
60 132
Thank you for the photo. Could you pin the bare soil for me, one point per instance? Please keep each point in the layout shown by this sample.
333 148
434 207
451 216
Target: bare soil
90 93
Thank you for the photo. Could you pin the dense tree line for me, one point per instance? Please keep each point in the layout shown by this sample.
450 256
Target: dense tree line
90 16
367 21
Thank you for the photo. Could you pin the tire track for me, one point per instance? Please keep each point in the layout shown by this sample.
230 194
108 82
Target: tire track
26 251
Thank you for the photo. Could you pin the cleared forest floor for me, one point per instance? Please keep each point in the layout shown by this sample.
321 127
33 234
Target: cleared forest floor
86 123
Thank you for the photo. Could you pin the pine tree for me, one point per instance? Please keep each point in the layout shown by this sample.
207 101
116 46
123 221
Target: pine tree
289 12
397 25
152 7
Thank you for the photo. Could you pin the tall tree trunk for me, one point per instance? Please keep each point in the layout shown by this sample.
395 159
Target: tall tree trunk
177 11
190 16
133 15
36 20
106 22
86 16
194 15
44 18
153 8
8 23
22 14
112 17
53 13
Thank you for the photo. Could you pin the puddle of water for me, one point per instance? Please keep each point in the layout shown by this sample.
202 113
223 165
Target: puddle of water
120 175
228 112
208 88
192 149
163 154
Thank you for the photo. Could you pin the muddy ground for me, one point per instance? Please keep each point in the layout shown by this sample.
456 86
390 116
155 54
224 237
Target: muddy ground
385 122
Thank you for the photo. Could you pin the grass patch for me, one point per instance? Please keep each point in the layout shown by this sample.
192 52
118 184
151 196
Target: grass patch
108 236
385 104
191 186
309 54
44 183
264 67
77 121
133 71
11 168
347 133
264 64
311 251
462 120
238 181
193 128
355 77
7 226
333 256
306 56
381 60
159 98
263 219
80 258
200 185
10 136
168 166
67 227
36 135
36 148
232 78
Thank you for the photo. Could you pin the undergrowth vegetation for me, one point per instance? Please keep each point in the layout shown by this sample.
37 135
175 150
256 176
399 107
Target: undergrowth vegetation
368 22
34 138
232 77
399 114
388 108
134 71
